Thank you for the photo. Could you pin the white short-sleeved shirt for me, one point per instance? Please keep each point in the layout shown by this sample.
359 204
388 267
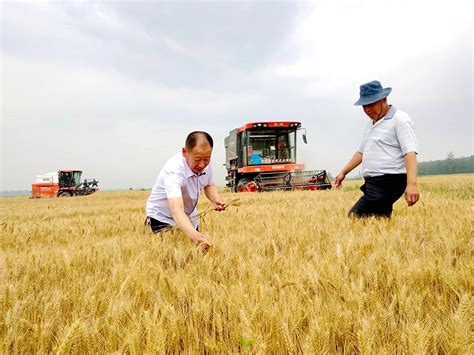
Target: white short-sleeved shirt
385 143
176 179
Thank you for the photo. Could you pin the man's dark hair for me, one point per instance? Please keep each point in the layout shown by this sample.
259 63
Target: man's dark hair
193 139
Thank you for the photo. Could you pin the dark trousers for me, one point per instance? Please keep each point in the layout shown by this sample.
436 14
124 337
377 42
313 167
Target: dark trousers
380 193
156 225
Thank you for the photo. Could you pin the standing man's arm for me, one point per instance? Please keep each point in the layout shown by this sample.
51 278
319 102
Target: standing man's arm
351 165
213 195
412 194
409 146
183 222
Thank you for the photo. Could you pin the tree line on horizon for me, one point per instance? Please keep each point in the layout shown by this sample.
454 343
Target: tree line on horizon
450 165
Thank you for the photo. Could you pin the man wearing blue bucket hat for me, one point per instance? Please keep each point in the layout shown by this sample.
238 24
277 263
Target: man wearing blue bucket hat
387 153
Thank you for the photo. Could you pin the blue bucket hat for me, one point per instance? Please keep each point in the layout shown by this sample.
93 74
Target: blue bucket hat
372 92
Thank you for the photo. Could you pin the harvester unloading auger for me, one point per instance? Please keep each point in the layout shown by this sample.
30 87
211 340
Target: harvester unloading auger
261 156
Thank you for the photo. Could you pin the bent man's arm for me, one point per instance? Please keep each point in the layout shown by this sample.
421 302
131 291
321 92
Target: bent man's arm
412 194
183 222
351 165
213 195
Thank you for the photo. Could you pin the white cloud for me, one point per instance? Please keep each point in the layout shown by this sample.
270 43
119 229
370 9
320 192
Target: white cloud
51 89
336 42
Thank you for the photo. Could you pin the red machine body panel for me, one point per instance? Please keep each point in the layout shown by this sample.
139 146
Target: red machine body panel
44 190
269 168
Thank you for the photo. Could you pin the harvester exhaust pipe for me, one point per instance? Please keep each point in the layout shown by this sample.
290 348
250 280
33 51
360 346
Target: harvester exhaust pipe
304 136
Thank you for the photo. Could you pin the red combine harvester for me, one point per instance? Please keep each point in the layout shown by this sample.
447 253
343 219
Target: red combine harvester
64 183
261 156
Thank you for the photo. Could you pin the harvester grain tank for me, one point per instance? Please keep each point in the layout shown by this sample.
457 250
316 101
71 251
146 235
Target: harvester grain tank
63 183
261 156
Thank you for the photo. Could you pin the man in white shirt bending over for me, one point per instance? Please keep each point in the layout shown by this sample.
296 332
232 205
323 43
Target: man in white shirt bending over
387 153
174 197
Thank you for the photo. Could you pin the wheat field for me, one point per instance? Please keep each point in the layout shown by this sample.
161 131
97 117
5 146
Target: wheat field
288 273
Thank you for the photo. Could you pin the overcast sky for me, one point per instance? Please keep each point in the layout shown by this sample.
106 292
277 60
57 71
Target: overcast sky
113 88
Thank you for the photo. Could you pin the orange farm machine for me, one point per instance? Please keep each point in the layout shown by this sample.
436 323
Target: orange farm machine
63 183
261 156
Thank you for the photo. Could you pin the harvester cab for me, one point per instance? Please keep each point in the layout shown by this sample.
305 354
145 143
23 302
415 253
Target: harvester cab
63 183
69 178
261 156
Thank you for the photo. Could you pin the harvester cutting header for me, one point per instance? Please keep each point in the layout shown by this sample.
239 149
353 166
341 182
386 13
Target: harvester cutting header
261 156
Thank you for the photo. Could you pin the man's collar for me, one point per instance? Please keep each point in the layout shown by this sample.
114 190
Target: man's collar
390 112
187 170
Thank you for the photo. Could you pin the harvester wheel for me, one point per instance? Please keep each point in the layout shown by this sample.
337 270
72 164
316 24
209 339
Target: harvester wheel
246 185
241 185
64 194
